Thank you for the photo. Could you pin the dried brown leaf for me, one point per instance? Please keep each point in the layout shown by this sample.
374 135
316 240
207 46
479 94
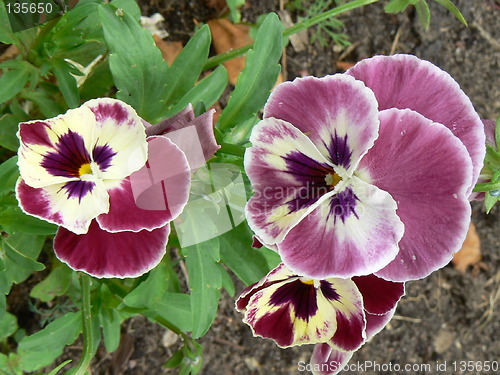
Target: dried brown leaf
11 52
169 50
470 253
228 36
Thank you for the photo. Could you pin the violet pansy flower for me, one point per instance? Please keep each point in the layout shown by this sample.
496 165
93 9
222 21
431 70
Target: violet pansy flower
337 314
365 172
87 171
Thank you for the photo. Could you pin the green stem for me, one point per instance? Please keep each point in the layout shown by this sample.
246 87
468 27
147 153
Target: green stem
88 339
219 59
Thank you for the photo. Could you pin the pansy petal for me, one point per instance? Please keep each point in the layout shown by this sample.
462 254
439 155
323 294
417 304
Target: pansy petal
103 254
404 81
338 113
119 138
193 135
379 295
52 151
152 196
326 360
72 204
355 232
347 301
288 176
179 120
375 323
490 131
295 311
427 171
278 274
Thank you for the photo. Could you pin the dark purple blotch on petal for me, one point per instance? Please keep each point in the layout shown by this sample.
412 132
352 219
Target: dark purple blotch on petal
328 290
339 150
276 325
311 174
103 155
78 189
301 296
343 205
69 156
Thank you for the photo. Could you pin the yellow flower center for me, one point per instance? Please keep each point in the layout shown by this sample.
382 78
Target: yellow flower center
333 179
307 282
85 169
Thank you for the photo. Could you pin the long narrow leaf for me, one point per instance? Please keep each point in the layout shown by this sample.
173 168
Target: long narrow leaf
205 281
207 91
67 83
453 9
12 82
259 76
187 67
138 68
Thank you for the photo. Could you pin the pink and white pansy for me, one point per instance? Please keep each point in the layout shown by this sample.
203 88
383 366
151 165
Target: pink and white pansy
86 171
365 172
337 314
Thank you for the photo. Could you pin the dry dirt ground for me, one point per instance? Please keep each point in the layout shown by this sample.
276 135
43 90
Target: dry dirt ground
448 317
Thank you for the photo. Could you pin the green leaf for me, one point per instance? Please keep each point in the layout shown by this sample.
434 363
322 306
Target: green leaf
6 34
130 7
111 325
208 91
137 65
67 83
258 77
453 9
3 305
490 201
58 368
396 6
42 348
14 220
45 102
98 83
176 308
56 284
227 282
237 253
150 292
175 360
9 173
12 82
8 325
205 281
187 67
423 13
234 9
19 253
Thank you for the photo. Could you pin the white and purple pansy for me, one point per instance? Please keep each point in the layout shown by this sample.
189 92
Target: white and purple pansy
338 313
86 171
366 172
